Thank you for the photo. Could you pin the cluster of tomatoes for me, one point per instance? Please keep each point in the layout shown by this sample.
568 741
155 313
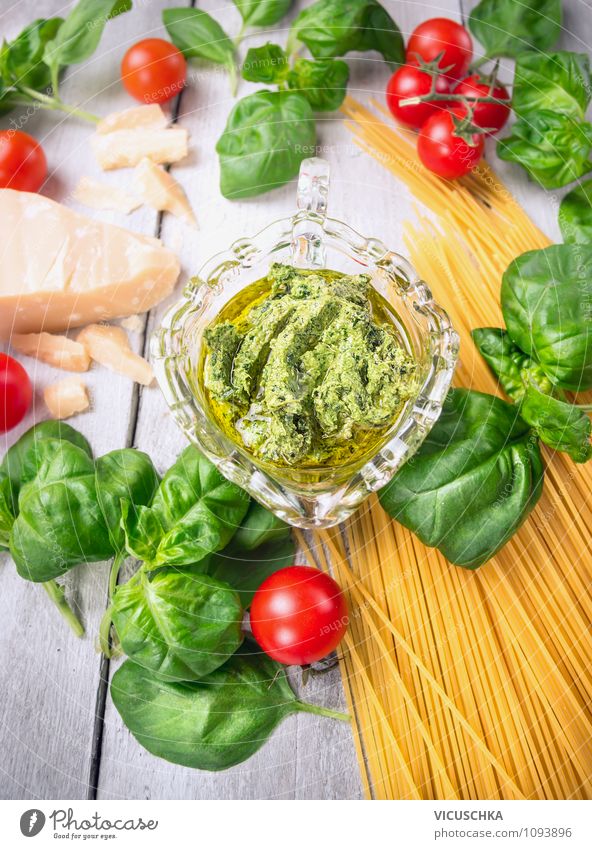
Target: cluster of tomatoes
454 110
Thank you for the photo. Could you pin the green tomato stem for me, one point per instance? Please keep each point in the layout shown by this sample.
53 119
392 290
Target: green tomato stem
479 62
241 34
321 711
54 103
432 98
232 73
57 595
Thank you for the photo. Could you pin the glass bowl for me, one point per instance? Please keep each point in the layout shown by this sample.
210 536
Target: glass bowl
321 496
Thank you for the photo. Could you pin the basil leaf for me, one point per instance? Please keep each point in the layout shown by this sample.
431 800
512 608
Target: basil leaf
266 137
552 147
562 426
262 13
214 724
575 215
508 27
7 515
21 60
195 511
21 461
473 482
79 35
262 545
245 571
198 35
266 64
178 625
323 82
59 523
545 301
508 362
556 81
127 475
331 28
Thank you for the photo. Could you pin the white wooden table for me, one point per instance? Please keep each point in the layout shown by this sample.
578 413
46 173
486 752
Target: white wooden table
60 736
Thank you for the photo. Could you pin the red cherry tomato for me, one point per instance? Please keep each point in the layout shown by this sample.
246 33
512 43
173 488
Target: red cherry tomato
298 615
23 165
153 70
445 153
410 81
441 35
491 115
15 393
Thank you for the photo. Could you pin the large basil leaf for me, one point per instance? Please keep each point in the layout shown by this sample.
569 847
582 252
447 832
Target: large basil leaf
195 511
59 523
472 483
21 461
7 515
214 724
509 27
21 60
507 361
265 64
575 215
545 301
125 474
198 35
267 136
262 13
323 82
331 28
552 147
181 626
555 81
562 426
262 545
79 35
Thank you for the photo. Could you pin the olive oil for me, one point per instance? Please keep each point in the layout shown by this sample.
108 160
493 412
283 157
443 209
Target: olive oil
364 441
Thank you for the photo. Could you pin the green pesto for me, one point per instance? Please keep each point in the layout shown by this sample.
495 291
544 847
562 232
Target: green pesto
309 369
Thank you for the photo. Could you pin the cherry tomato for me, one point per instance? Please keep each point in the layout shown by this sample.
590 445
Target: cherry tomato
445 153
410 81
153 70
491 115
298 615
441 35
23 165
15 393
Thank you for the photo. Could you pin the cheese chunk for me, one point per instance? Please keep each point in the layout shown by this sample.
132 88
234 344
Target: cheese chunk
66 397
161 191
97 195
126 148
149 117
60 269
58 351
110 347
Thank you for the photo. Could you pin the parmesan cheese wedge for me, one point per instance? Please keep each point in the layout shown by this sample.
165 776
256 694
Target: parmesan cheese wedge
61 269
58 351
97 195
161 191
149 117
110 347
126 148
66 397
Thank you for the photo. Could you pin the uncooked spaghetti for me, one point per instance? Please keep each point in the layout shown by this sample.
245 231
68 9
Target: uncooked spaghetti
468 685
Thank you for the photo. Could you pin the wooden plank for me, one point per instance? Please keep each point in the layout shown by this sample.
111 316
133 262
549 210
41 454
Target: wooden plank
307 757
49 678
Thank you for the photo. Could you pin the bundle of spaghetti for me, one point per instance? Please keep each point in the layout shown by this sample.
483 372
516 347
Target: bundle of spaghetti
470 685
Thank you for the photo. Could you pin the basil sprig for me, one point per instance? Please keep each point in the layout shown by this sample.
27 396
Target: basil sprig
31 64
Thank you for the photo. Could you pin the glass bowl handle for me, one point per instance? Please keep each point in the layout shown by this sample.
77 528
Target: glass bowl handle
313 186
308 248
